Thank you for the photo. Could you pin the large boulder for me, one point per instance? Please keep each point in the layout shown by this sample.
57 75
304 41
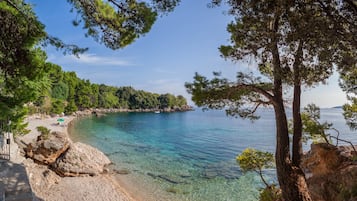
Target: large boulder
331 172
47 149
81 160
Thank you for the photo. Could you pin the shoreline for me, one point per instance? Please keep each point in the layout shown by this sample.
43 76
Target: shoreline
53 187
111 176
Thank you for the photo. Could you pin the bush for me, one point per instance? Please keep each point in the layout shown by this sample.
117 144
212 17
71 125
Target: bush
45 132
270 193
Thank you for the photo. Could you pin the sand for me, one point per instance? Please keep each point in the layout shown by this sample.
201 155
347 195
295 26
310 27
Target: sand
50 186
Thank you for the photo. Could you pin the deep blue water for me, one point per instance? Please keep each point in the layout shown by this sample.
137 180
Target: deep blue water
189 155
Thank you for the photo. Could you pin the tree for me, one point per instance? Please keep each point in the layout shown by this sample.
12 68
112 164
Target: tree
294 44
21 62
106 97
315 130
60 91
115 23
348 83
58 107
255 160
181 101
83 94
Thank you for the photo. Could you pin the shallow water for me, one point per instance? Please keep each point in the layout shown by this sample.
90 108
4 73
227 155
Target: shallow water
186 156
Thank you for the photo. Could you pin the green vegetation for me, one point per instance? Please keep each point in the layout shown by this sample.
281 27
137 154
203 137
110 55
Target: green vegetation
348 82
68 93
312 128
117 23
295 45
255 160
45 132
21 63
28 83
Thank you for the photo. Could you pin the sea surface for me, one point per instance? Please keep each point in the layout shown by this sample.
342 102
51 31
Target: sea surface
188 155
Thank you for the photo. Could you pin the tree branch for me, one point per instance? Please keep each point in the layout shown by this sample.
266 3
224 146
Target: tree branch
256 89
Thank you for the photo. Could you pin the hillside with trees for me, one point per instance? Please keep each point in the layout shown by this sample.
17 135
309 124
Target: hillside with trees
66 93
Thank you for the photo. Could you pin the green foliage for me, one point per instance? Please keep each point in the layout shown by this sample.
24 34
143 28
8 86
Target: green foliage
21 62
350 113
58 107
60 91
70 108
117 23
315 130
235 97
107 97
255 160
270 193
16 121
348 83
181 101
68 93
45 132
293 44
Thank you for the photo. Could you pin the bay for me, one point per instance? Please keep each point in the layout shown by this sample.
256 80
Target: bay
188 155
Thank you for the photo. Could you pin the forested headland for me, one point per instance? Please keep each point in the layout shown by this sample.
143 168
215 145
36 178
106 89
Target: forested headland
67 93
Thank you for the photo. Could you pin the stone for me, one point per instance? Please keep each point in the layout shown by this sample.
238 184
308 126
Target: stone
331 172
81 160
47 150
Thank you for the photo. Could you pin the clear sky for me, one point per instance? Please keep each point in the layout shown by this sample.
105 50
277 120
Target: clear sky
179 44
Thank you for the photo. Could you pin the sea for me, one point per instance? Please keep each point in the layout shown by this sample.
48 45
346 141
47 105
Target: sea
188 155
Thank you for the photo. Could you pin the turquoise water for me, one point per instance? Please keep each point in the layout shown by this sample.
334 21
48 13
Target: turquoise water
186 156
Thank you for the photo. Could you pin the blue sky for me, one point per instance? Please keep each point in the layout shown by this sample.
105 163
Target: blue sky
179 44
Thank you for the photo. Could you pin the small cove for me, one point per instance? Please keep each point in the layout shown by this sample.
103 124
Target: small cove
185 156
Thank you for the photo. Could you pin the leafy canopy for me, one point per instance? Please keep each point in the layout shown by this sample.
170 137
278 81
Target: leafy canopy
255 160
21 62
117 23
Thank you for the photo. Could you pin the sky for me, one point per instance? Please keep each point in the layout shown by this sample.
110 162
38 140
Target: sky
179 44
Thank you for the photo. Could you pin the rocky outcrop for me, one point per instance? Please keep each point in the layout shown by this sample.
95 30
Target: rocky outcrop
331 172
66 158
46 150
81 159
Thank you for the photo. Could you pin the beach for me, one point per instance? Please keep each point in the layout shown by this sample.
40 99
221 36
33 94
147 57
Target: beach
47 185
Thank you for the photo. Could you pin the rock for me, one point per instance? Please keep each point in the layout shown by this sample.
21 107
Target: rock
331 172
41 178
46 151
166 178
81 160
122 171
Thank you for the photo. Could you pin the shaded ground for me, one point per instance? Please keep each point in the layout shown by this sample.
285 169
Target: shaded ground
14 183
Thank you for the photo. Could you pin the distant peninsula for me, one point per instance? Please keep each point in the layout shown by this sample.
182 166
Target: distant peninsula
338 107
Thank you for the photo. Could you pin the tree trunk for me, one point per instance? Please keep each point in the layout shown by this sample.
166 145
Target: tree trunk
297 133
291 178
297 137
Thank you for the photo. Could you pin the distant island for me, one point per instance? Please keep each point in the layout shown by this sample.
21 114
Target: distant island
338 107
